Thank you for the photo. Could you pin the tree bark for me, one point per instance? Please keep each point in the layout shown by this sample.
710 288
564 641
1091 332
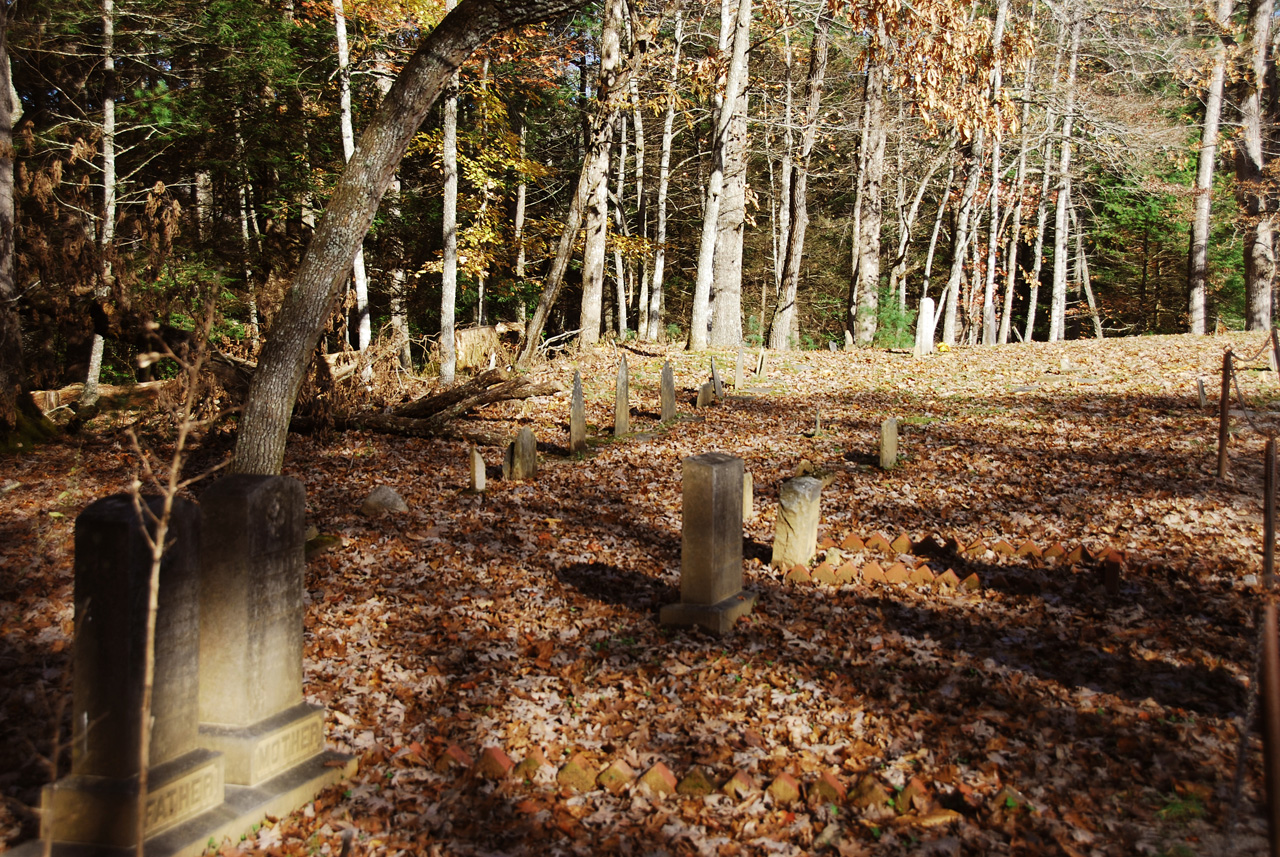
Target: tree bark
1058 302
735 81
449 226
1259 254
960 242
107 234
993 231
726 295
780 337
359 279
867 287
664 184
1019 184
264 425
596 171
1198 269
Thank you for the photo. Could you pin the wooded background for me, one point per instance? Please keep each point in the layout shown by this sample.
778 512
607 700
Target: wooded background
1042 170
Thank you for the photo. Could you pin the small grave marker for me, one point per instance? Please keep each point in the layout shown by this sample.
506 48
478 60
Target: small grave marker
1200 391
668 393
738 372
715 380
477 471
925 323
711 593
762 364
706 395
577 417
521 460
889 444
748 496
795 539
621 401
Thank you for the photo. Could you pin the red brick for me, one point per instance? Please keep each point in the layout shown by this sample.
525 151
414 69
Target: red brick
454 758
947 578
878 542
530 765
868 793
852 543
847 573
494 763
971 583
696 783
576 775
827 789
616 777
902 544
659 780
872 572
1003 548
897 573
1055 550
1029 549
740 786
824 573
922 575
784 789
798 574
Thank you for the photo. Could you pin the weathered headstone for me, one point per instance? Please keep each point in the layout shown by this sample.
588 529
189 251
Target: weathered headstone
748 496
251 587
622 401
762 364
1200 391
889 443
711 594
925 322
715 380
795 539
668 393
738 372
477 471
97 802
521 459
383 499
577 417
706 395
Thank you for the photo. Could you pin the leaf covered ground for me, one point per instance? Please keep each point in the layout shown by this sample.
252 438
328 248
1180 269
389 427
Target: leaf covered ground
1041 713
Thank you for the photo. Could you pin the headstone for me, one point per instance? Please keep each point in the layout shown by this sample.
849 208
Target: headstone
711 594
748 496
795 538
1064 364
521 460
251 588
621 401
738 372
889 444
831 345
477 471
925 322
762 364
668 393
382 499
848 340
577 417
97 803
706 395
1204 398
715 380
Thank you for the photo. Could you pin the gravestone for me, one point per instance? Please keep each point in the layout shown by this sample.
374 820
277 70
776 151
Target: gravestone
706 395
477 471
888 444
521 459
622 401
925 322
711 594
97 803
1204 398
762 364
738 372
748 496
715 380
251 587
577 417
668 393
795 539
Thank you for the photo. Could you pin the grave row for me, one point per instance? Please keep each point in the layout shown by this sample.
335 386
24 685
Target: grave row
232 739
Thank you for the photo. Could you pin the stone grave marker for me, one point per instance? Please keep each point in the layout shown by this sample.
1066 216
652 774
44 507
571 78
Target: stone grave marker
706 395
622 401
521 459
748 496
795 539
1204 398
715 380
668 393
477 471
925 322
577 417
97 803
888 444
711 594
738 372
762 364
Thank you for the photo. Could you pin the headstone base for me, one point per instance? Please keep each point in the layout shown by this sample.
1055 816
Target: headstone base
257 753
243 808
716 618
104 810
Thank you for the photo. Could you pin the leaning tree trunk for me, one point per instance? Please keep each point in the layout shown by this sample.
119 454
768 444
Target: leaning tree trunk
1259 254
1058 300
798 213
735 81
264 424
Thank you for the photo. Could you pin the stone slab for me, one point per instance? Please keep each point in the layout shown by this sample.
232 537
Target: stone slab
259 752
716 618
242 808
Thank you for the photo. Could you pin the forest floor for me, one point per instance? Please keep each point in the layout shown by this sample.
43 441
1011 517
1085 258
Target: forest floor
1040 713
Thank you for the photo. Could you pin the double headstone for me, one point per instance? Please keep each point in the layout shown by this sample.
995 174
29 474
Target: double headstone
668 393
711 594
577 417
795 538
232 739
521 459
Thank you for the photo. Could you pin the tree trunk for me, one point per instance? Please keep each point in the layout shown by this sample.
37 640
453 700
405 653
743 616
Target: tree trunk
798 215
993 232
1082 273
449 226
868 281
1019 184
960 242
735 81
1198 269
726 296
937 228
664 184
264 424
1259 254
395 253
642 210
359 279
1058 304
107 234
